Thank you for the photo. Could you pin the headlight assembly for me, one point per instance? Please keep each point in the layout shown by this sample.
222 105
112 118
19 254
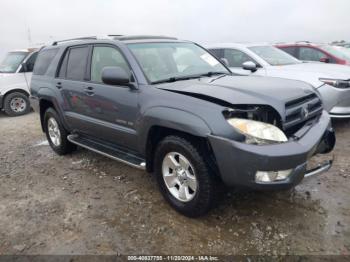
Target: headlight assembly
258 133
336 82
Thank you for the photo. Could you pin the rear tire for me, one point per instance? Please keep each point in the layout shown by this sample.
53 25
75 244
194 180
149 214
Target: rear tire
172 154
16 104
56 134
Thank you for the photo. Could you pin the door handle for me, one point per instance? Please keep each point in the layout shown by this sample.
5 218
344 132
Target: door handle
89 91
59 85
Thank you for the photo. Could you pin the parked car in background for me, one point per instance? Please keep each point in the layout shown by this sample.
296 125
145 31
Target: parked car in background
170 107
15 76
313 52
341 43
331 81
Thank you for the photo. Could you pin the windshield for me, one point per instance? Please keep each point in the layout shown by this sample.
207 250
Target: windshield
165 61
12 61
274 56
338 51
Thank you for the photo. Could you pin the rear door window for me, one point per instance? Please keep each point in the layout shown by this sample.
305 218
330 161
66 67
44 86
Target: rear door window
43 61
310 54
77 61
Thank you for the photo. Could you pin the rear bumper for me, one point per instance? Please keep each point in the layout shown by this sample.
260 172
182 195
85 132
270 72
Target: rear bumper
238 162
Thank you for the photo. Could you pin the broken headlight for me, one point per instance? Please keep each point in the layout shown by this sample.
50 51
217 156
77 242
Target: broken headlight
258 133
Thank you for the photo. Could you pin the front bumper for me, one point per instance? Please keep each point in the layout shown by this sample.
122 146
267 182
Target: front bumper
238 162
336 101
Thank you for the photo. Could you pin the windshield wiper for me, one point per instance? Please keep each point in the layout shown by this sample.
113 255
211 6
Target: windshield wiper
180 78
174 79
212 73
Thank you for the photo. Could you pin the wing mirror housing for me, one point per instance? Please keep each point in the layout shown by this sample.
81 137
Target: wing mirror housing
324 60
249 65
115 75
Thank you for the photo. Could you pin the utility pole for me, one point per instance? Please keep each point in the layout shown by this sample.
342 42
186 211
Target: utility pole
29 38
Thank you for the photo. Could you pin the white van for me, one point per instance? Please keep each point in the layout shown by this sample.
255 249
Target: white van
15 75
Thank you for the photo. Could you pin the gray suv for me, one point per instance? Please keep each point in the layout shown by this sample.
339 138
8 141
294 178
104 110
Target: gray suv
170 107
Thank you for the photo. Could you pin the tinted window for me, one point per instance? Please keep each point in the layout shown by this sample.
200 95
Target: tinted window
43 61
30 62
217 53
235 57
77 61
63 69
290 50
310 54
103 56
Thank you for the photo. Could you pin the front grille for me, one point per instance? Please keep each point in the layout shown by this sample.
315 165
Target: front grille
301 110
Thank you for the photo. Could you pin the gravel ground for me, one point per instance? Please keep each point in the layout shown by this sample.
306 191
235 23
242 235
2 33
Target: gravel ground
85 203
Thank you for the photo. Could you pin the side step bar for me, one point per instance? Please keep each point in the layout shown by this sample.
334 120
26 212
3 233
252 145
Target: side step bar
110 151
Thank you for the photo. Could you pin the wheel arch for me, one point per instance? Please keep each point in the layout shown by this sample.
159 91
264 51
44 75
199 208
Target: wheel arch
160 122
46 102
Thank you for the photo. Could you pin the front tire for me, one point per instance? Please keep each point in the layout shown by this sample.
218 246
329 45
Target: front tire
56 134
184 178
16 104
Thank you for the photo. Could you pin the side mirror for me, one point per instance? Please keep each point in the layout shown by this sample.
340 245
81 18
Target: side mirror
249 65
224 61
115 75
324 60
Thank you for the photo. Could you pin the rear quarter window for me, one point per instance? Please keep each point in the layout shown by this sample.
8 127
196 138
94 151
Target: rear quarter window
43 61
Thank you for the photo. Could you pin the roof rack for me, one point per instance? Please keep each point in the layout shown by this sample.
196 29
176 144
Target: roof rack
140 37
75 39
308 42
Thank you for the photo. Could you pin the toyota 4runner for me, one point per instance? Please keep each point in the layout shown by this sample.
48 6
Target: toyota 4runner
170 107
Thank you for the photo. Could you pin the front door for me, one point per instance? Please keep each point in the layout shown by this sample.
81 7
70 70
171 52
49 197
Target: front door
112 109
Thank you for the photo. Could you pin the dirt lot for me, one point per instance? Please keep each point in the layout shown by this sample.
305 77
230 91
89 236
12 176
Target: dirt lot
85 203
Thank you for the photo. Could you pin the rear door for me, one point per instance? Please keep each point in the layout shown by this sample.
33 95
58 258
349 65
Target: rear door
71 81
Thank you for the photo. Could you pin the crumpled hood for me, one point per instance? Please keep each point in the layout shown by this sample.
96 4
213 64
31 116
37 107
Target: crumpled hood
310 72
236 90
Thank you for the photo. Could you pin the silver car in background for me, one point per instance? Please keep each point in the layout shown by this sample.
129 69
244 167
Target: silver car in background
332 81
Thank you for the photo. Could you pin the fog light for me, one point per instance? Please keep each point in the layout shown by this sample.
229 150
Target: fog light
271 176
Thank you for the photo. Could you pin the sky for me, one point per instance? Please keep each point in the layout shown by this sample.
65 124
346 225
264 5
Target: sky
25 23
